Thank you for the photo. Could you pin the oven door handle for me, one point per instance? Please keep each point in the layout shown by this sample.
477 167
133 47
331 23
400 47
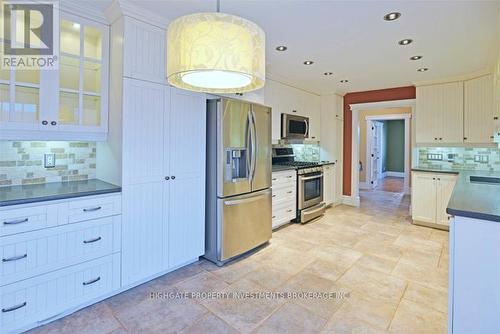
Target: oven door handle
311 177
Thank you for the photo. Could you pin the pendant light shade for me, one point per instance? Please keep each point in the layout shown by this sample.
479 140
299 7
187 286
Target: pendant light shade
215 53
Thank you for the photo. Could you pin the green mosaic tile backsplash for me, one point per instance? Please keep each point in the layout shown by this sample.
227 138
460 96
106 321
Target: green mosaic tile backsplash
21 162
483 159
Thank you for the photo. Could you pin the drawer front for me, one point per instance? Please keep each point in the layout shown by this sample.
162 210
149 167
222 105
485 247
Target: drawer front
284 194
92 208
285 177
20 220
34 253
283 214
40 298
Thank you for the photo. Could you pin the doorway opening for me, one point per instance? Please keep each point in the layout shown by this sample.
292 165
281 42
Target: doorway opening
382 134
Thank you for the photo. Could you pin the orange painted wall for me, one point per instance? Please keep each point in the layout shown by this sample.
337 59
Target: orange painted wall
391 94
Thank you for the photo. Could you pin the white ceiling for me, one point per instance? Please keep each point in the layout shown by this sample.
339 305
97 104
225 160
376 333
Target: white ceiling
350 38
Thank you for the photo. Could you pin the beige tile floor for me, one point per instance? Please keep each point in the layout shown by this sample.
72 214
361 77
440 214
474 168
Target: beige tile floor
396 274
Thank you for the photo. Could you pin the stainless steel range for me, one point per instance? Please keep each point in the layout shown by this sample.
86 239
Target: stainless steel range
310 203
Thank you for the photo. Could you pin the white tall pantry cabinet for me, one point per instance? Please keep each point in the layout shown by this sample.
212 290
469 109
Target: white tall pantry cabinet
157 144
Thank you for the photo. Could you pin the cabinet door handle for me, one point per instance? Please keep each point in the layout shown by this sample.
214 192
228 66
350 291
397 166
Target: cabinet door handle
290 210
274 217
274 179
289 192
289 176
274 196
440 138
15 222
45 122
465 138
167 178
15 258
53 123
173 177
91 240
495 118
435 138
92 281
97 208
13 308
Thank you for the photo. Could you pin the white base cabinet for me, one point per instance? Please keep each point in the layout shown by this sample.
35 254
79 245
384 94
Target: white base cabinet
61 255
474 273
431 193
329 180
284 197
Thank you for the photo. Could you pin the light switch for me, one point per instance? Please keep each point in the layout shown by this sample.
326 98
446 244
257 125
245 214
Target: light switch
49 161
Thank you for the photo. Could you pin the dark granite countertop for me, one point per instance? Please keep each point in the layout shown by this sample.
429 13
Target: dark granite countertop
280 168
475 200
436 170
14 195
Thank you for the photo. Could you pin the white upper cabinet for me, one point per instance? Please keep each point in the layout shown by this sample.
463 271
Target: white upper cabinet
439 114
479 110
66 104
285 99
144 51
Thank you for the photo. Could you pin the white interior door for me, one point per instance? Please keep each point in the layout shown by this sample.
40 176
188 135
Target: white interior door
376 153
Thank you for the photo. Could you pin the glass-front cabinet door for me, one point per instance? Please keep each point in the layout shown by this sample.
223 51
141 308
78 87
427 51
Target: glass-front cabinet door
74 99
19 97
83 76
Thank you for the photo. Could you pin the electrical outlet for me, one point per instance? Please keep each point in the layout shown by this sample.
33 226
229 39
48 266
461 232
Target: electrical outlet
49 160
435 157
481 158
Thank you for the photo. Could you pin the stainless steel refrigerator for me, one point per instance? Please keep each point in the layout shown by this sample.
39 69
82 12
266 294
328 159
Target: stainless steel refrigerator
238 199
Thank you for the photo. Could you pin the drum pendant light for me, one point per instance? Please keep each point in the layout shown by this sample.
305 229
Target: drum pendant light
215 53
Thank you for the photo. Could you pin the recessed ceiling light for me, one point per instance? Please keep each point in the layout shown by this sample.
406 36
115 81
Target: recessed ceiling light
392 16
308 62
328 73
344 81
405 41
416 58
423 69
281 48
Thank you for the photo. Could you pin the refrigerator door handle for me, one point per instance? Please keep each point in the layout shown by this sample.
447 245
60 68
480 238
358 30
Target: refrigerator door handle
254 198
254 143
248 136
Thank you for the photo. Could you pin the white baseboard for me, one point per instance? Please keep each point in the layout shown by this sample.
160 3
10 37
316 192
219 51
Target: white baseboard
383 175
395 174
351 200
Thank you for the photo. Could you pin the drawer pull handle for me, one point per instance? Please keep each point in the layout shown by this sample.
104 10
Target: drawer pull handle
91 240
92 281
274 195
289 176
14 222
274 179
15 258
97 208
13 308
274 217
289 210
289 192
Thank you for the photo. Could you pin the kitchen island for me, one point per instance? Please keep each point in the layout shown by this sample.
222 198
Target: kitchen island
474 268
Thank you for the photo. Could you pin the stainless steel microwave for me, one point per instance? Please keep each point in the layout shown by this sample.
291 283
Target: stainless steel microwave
294 127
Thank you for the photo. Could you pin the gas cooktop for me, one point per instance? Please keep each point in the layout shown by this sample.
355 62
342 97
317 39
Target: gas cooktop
298 164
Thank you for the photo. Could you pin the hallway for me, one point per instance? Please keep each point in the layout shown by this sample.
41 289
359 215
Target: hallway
391 184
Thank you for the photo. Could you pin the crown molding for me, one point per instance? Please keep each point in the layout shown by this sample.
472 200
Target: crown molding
88 12
463 77
119 8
